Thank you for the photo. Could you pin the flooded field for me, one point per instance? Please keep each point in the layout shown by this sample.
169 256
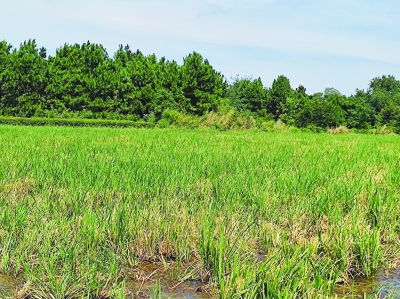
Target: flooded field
166 280
154 281
383 284
122 213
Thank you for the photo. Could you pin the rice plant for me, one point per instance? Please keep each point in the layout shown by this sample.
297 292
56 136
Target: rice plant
264 215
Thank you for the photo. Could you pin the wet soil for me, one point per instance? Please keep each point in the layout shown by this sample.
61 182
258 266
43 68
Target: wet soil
8 285
385 283
147 275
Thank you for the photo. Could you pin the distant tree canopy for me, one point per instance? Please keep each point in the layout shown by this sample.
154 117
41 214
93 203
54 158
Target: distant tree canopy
84 81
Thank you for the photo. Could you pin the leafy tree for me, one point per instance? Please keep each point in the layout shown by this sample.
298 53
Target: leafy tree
383 91
5 50
201 84
331 91
293 106
279 91
246 94
80 78
390 115
319 112
24 80
388 84
169 94
358 113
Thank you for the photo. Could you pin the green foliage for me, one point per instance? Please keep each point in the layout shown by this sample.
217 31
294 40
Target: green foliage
70 122
201 84
178 119
390 116
278 94
246 94
293 107
24 79
83 81
383 91
319 111
358 113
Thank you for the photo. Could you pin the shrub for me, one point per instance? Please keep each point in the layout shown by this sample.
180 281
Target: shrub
339 130
279 126
70 122
383 130
294 130
171 117
163 123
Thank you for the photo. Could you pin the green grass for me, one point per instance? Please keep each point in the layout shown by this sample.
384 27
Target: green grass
79 207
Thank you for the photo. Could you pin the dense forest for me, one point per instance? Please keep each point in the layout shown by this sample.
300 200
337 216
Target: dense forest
83 81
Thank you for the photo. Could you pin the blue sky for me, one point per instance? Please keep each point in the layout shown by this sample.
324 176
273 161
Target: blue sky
317 43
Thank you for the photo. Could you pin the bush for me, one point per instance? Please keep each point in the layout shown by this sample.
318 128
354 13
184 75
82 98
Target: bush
339 130
172 117
383 130
163 123
266 126
177 119
230 120
294 130
279 126
312 128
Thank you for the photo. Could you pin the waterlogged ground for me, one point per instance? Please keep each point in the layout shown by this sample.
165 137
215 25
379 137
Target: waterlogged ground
383 284
89 212
152 279
157 278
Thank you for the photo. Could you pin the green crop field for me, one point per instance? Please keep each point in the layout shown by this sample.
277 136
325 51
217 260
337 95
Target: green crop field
255 215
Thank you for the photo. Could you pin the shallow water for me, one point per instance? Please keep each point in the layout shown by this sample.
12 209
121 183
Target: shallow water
191 289
148 274
383 284
184 290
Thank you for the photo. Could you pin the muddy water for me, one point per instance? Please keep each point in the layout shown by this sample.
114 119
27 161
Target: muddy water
8 285
140 288
186 290
384 284
147 275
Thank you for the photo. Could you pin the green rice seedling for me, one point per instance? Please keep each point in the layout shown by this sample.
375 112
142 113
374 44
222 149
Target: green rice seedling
156 291
368 251
260 215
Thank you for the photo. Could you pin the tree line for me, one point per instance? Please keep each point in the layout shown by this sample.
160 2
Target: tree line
82 80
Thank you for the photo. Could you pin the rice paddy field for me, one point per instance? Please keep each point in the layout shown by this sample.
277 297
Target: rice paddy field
139 213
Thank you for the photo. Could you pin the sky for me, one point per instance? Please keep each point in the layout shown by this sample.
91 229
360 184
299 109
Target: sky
316 43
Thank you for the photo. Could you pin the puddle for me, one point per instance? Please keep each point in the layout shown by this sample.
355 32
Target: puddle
184 290
143 283
8 285
148 274
384 284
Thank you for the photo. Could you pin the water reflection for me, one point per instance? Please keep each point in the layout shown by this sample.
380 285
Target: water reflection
148 274
184 290
384 284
